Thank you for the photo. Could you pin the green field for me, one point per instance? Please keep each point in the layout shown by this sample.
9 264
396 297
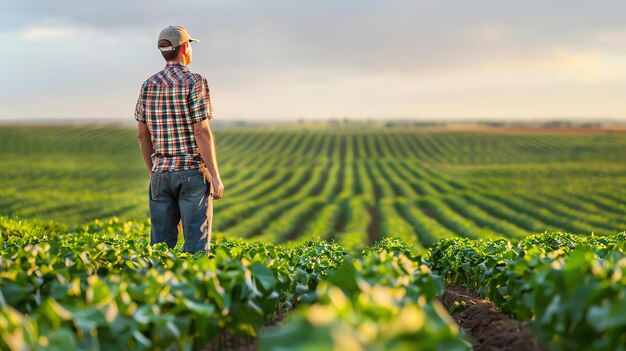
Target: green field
355 234
353 186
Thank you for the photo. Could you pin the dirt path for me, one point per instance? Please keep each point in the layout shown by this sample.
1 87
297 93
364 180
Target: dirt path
489 329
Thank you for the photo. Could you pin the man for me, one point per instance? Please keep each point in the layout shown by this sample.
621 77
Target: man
177 144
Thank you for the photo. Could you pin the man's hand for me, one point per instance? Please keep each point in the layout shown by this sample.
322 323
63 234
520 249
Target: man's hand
218 189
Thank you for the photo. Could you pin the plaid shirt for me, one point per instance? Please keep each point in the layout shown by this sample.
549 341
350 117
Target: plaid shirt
170 102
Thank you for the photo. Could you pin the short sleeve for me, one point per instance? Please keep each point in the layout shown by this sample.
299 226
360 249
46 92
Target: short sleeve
200 107
140 108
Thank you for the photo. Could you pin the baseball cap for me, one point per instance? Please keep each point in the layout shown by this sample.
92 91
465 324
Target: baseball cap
177 35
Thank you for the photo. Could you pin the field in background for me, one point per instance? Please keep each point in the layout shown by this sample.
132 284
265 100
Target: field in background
354 186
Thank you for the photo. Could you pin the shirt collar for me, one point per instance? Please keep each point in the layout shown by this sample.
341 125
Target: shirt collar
176 64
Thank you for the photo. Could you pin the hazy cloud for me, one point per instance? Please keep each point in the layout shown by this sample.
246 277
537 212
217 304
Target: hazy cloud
289 59
38 33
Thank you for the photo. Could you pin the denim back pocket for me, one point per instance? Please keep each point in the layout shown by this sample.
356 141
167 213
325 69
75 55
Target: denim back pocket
154 185
193 182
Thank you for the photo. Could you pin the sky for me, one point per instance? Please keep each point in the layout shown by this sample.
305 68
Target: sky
321 59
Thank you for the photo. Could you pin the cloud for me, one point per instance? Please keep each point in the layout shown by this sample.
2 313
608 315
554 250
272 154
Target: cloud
560 64
586 66
491 33
47 33
280 58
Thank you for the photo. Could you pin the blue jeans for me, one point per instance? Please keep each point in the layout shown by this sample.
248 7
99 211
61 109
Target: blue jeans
177 195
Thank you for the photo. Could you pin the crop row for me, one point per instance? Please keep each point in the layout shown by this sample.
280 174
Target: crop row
464 184
570 289
384 300
103 287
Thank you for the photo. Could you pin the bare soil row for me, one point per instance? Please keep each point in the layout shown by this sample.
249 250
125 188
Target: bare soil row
488 328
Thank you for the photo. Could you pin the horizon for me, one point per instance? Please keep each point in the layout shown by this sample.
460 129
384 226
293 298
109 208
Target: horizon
360 60
242 123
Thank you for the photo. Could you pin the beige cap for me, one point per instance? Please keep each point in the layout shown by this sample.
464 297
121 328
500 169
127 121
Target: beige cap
177 35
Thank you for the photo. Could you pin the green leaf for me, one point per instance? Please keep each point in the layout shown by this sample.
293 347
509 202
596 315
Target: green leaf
61 340
88 318
608 317
578 262
143 314
263 275
551 310
141 339
297 335
345 277
596 316
199 308
98 292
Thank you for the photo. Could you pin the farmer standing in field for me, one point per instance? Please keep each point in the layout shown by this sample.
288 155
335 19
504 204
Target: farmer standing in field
178 147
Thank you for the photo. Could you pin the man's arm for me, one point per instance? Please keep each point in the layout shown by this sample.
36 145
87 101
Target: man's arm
145 143
206 145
